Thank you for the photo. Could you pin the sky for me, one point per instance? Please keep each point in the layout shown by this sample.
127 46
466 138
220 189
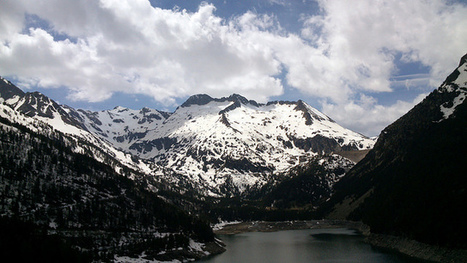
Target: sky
363 63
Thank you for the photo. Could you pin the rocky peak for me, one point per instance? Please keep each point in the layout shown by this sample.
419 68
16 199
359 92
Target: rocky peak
120 109
239 98
199 99
463 60
453 81
8 90
238 101
145 110
35 104
203 99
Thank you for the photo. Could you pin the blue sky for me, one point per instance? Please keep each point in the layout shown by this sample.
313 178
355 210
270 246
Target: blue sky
363 63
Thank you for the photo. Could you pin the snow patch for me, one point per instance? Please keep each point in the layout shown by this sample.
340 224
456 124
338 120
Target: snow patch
53 225
462 78
448 111
198 246
222 224
457 85
139 259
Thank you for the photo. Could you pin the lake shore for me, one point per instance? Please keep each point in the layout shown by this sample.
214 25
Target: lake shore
271 226
401 245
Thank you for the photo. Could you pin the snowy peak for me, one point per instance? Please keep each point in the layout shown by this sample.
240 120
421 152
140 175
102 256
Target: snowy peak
8 90
239 98
224 146
203 99
34 104
455 90
309 113
43 115
199 99
458 78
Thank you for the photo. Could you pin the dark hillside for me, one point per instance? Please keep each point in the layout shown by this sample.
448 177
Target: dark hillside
74 199
413 183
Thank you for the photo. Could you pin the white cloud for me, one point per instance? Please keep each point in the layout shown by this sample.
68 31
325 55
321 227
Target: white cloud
279 2
365 35
411 81
11 17
366 115
129 46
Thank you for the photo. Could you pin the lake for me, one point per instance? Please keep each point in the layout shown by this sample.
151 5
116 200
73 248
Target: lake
310 245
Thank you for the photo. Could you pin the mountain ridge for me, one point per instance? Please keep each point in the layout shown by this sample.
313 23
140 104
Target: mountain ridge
218 146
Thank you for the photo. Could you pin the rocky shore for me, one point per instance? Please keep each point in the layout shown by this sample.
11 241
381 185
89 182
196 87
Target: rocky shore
417 250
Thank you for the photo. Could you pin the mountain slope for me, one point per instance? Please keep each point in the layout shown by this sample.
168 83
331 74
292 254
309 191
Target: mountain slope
308 185
72 189
413 183
37 111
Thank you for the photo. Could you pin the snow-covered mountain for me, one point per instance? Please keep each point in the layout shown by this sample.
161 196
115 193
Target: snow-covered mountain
215 146
223 146
43 115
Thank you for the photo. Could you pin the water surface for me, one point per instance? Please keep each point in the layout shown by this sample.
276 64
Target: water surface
311 245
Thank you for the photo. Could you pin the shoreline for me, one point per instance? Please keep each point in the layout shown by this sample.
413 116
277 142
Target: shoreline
404 246
272 226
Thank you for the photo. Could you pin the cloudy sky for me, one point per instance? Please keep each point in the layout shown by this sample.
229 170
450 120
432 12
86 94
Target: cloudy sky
364 63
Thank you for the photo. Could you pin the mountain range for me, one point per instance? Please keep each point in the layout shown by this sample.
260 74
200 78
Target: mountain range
218 147
146 183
